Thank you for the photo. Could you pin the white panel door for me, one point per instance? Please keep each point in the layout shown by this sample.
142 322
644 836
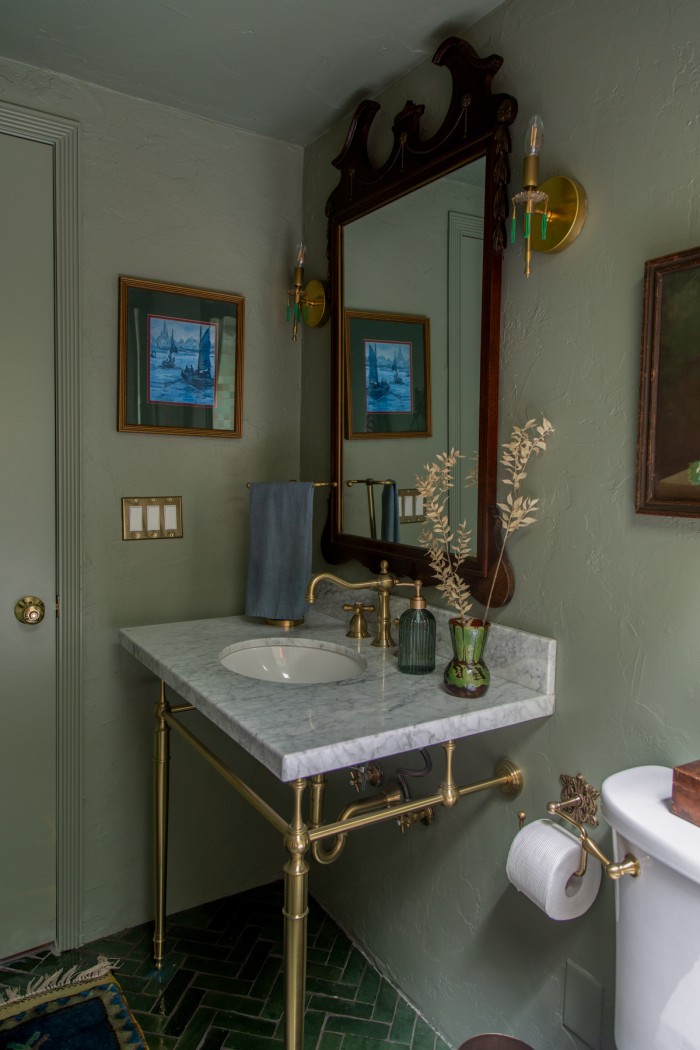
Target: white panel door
27 547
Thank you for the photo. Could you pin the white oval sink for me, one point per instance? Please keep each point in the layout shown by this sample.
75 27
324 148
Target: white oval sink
296 661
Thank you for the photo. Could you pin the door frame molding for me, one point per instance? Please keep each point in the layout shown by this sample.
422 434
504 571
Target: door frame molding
63 136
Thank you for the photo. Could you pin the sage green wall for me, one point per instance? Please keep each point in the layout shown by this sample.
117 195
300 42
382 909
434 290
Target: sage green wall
618 89
170 197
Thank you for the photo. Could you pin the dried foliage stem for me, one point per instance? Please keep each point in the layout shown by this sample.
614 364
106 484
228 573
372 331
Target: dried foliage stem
518 511
447 550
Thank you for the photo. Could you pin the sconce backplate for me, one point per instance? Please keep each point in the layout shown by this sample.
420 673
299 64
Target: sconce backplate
315 306
566 213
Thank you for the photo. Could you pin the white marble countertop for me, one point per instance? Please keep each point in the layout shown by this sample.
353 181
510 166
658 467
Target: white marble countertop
299 730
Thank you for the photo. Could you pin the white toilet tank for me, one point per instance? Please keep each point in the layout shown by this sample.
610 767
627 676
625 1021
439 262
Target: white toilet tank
657 997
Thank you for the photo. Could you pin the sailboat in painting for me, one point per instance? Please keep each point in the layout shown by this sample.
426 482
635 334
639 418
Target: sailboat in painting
201 376
169 362
376 387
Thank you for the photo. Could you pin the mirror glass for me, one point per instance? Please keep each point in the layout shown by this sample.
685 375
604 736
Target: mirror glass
415 252
420 255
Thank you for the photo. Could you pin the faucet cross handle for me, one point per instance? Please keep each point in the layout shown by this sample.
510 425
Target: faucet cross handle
358 624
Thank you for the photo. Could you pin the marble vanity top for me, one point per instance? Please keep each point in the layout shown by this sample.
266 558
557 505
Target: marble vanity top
299 730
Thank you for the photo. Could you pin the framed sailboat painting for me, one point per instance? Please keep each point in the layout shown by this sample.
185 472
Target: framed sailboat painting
387 375
180 359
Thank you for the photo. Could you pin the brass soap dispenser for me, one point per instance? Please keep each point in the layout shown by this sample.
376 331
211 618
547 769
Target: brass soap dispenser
417 636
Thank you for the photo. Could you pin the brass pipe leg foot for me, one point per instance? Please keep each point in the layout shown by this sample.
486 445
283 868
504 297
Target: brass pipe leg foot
161 768
295 915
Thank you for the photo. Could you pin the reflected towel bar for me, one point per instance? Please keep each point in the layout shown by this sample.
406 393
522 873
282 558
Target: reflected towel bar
370 483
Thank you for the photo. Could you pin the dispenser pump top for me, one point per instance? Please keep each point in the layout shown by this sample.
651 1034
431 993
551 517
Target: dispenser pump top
417 599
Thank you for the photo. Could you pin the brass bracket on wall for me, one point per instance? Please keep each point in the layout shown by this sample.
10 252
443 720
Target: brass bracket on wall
578 805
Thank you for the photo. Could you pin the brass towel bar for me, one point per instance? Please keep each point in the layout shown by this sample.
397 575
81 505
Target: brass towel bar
314 484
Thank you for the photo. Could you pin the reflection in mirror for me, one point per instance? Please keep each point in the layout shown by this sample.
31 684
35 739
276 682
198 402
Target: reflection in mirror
419 255
415 247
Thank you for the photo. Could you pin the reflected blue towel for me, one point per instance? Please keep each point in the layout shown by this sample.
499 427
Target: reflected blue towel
279 557
390 513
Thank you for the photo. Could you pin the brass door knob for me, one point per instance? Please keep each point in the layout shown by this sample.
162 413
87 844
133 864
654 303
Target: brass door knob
30 610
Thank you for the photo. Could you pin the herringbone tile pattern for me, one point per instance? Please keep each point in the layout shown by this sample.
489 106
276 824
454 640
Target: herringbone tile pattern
221 985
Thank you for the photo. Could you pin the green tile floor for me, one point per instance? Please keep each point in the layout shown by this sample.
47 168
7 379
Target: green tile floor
221 985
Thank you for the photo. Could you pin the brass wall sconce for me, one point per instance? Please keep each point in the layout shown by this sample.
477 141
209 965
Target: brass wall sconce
310 303
555 211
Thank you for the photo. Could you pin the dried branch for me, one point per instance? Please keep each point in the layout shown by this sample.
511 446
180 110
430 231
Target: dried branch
447 550
518 511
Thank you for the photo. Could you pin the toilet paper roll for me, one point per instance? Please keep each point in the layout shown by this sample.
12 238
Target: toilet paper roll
541 863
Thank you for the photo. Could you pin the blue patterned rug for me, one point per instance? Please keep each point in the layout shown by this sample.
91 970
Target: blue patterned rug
69 1011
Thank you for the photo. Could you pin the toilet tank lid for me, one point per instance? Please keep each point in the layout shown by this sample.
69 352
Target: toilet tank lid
637 803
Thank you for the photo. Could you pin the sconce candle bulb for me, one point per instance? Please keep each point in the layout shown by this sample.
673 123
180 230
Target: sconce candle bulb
559 201
299 264
534 137
307 304
533 200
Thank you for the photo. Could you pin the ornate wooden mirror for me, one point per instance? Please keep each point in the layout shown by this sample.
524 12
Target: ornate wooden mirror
415 248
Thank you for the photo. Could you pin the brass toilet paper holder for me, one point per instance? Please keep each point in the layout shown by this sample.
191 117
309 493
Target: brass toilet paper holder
578 805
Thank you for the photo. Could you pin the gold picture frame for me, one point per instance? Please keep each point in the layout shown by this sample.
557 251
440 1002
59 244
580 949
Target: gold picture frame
668 443
387 375
180 360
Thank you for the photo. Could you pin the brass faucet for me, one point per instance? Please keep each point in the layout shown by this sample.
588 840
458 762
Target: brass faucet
383 584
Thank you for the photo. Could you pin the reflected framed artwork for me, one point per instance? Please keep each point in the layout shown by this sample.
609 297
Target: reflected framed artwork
387 375
180 359
668 446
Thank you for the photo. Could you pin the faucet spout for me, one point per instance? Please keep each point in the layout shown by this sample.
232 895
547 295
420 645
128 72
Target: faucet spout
383 584
311 586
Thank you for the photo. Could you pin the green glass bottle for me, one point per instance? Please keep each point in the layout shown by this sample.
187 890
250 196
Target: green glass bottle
417 636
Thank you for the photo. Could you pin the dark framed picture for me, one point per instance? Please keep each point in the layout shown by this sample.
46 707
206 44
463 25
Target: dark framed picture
180 359
668 446
387 375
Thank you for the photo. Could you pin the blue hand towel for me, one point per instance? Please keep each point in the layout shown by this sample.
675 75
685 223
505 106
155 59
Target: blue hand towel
390 513
279 557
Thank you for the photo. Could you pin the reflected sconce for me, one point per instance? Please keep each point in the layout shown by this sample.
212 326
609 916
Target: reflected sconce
309 304
554 212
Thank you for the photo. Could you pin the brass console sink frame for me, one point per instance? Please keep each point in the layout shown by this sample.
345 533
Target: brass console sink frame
299 838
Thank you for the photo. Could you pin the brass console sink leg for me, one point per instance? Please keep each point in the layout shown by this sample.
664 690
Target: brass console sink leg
161 762
295 913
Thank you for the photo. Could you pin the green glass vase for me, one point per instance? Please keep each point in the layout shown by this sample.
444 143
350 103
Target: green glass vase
466 674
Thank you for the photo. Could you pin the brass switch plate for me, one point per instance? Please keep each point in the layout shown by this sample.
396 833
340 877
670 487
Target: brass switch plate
152 517
411 507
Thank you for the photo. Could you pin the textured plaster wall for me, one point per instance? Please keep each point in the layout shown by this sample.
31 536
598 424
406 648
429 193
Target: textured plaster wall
618 87
175 198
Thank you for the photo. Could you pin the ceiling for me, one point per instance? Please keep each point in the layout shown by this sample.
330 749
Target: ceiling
284 68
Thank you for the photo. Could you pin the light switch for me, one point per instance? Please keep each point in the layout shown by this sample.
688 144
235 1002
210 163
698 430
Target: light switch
411 507
136 519
151 517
